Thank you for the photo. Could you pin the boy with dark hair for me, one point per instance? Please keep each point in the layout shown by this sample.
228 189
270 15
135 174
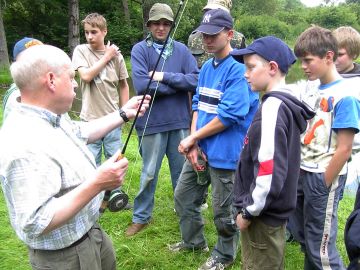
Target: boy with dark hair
223 106
267 174
325 147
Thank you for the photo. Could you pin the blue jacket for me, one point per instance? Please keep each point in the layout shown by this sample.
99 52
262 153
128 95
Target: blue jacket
171 104
223 92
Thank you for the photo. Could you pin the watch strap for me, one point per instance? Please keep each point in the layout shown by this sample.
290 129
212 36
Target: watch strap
123 115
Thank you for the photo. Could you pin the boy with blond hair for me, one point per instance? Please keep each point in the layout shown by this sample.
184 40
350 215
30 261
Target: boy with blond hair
349 49
103 82
325 147
266 176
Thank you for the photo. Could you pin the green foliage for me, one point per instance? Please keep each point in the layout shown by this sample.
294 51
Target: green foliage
258 26
332 17
48 20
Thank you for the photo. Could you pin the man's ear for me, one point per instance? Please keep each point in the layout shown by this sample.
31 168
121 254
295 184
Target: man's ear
50 81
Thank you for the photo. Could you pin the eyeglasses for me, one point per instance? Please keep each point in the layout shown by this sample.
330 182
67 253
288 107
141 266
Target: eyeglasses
160 23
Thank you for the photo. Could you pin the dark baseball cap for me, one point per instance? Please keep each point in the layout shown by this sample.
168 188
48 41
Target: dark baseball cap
214 21
271 49
23 44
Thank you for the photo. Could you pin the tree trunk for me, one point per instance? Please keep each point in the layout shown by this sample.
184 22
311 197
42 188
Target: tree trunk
74 35
126 11
4 56
146 6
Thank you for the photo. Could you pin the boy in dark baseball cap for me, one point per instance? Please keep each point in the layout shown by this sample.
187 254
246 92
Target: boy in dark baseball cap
223 108
266 177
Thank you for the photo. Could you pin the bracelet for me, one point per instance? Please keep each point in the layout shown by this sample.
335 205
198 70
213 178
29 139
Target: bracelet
123 115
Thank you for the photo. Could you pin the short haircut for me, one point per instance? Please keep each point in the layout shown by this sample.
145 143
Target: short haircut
45 58
316 41
95 20
349 39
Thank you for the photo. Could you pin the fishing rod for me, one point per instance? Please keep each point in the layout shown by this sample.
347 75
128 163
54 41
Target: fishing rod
122 198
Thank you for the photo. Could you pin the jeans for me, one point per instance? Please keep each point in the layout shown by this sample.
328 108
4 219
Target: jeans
111 143
315 220
188 199
153 149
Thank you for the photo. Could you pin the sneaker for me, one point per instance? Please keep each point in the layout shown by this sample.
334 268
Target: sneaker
180 246
213 264
204 206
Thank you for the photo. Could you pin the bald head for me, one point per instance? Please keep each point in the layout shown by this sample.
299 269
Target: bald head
35 62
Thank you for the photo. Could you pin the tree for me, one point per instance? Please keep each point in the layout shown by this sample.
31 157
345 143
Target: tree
4 57
74 35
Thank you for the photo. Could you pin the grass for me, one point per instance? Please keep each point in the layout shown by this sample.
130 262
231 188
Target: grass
148 249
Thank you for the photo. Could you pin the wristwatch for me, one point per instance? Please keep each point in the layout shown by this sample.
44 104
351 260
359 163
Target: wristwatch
123 115
245 214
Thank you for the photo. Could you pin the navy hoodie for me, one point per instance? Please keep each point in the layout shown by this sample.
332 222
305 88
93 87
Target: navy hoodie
269 166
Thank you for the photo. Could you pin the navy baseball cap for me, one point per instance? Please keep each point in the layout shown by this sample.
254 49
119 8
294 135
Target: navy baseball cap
271 49
23 44
214 21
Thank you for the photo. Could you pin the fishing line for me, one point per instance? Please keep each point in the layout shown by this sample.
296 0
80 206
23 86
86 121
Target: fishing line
107 194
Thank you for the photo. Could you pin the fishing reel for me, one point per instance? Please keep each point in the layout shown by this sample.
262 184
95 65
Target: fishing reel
118 200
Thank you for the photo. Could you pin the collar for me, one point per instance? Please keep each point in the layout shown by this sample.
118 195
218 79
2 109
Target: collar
52 118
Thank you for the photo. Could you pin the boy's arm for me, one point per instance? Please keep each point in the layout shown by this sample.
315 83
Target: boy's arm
123 92
87 74
140 74
345 138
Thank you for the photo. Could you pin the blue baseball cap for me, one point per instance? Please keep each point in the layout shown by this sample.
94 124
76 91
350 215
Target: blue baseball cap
23 44
271 49
214 21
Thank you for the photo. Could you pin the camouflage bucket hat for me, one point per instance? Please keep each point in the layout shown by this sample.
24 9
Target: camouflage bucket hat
160 11
223 4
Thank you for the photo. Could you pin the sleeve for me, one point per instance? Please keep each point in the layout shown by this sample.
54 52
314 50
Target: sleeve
31 184
140 74
186 81
123 71
235 102
347 114
272 160
78 58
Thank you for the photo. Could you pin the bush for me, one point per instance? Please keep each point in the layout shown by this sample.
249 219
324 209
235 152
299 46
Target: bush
258 26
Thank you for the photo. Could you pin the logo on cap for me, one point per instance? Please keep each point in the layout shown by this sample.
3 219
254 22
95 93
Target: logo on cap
207 18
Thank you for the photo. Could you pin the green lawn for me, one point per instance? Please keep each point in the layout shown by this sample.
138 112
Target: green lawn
148 249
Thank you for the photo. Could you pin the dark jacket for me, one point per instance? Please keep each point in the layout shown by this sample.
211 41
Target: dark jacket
352 235
267 174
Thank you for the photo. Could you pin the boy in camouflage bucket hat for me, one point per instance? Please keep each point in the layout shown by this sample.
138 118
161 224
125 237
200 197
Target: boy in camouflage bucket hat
195 39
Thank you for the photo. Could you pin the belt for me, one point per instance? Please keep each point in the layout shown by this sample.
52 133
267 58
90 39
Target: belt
78 242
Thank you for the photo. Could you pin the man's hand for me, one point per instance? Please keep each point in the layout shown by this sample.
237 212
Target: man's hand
132 106
242 223
111 51
111 173
158 76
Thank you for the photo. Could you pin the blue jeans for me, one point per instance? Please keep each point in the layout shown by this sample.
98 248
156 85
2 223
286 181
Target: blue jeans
111 143
188 199
153 149
315 220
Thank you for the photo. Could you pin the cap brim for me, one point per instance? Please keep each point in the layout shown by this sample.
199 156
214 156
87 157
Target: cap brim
238 54
158 18
209 29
